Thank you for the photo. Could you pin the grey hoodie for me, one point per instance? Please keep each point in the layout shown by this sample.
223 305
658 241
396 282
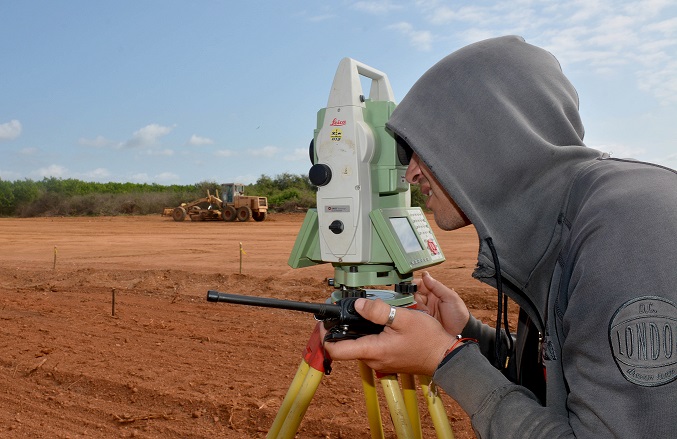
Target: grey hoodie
587 246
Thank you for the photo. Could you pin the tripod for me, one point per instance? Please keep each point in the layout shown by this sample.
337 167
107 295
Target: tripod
402 402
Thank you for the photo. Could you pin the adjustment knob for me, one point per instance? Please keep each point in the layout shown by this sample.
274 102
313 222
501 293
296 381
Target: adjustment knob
336 226
319 174
405 288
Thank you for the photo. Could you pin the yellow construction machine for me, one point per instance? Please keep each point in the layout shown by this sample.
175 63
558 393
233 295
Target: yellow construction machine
234 206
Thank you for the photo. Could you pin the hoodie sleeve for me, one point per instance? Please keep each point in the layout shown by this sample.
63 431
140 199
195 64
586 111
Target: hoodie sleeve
496 406
483 333
485 336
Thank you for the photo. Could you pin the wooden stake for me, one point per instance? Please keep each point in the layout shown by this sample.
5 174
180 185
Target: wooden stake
54 265
113 302
242 252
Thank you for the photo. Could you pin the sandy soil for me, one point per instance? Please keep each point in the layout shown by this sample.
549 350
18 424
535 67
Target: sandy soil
169 364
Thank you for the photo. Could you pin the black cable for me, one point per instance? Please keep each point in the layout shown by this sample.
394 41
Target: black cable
502 311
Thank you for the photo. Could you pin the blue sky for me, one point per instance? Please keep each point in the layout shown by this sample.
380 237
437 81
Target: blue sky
180 92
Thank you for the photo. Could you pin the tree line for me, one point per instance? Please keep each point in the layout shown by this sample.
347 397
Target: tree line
53 196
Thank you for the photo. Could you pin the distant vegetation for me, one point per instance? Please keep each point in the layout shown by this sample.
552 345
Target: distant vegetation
70 197
285 192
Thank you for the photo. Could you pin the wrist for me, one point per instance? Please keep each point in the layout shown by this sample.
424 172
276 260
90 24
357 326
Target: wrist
458 342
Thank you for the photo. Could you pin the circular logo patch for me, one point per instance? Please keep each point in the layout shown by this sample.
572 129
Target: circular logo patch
643 337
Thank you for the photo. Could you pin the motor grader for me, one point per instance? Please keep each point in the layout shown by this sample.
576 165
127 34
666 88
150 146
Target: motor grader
234 206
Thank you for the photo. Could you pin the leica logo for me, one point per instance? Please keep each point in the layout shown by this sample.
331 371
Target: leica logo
337 123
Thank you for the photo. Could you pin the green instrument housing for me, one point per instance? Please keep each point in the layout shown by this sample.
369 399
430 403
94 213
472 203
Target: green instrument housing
363 224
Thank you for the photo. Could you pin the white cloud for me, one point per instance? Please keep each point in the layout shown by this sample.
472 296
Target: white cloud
246 179
670 159
644 8
96 174
604 35
97 142
196 140
421 40
661 83
141 177
666 27
322 17
163 177
620 151
10 130
299 154
147 136
225 153
316 17
57 171
166 177
588 9
9 175
159 152
266 151
376 7
29 151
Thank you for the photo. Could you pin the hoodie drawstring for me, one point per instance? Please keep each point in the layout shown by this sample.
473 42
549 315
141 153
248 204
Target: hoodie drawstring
502 313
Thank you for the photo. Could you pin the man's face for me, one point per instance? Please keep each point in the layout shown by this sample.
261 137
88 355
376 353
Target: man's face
447 214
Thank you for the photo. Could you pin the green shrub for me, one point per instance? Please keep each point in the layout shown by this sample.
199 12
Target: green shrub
69 197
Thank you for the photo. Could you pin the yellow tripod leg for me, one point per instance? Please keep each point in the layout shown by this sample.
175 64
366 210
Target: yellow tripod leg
398 411
289 399
371 400
436 409
302 389
411 403
301 404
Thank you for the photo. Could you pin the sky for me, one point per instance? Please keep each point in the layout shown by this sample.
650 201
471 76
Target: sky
180 92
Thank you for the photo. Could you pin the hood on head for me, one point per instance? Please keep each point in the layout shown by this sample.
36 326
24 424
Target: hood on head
497 122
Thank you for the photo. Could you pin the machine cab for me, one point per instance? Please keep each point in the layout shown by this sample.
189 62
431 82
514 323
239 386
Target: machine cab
232 190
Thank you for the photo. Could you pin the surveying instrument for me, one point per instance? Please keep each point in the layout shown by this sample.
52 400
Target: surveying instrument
365 227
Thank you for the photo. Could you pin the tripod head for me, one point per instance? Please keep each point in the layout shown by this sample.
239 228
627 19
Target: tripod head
364 224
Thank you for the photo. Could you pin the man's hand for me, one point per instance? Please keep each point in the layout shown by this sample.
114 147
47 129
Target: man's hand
414 343
441 302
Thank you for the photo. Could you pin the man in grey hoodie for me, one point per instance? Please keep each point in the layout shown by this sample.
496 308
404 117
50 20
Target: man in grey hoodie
585 244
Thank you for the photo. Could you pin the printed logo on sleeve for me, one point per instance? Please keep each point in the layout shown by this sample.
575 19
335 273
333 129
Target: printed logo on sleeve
643 337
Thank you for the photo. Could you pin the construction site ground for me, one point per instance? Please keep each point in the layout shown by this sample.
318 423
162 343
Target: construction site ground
164 362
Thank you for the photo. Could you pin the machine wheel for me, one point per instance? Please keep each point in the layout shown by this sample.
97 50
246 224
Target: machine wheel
228 213
179 214
259 216
244 213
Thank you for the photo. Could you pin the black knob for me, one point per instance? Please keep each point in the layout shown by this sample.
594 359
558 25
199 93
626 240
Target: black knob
319 174
311 151
405 288
336 226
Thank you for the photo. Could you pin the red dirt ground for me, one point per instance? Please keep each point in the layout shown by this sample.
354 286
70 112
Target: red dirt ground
169 364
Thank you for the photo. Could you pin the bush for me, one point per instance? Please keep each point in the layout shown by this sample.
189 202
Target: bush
70 197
